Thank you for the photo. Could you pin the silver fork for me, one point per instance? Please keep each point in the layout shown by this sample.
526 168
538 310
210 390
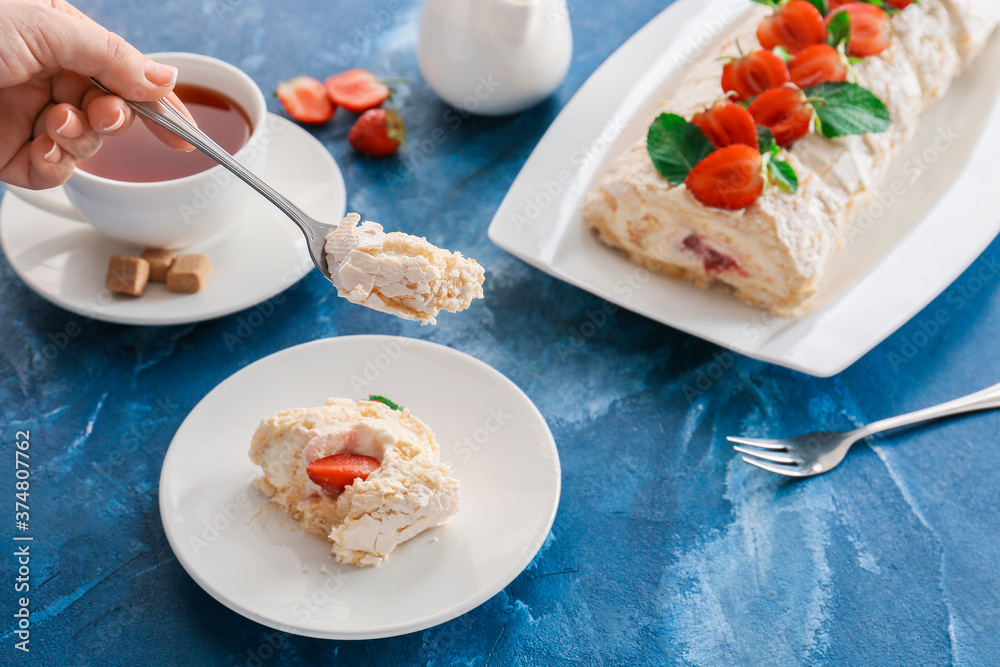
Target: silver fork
816 453
167 115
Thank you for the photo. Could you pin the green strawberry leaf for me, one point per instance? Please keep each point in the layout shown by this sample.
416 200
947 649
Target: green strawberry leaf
839 30
676 146
782 53
769 3
383 399
847 108
784 175
820 5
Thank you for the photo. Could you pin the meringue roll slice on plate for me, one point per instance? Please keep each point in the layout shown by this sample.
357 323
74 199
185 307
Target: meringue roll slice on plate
398 273
777 138
365 475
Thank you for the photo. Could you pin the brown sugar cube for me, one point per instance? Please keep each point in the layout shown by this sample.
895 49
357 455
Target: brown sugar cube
127 275
189 273
160 261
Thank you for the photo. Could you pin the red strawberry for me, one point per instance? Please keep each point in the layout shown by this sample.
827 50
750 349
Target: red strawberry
377 132
869 29
794 25
729 178
305 100
727 123
818 63
833 5
899 4
753 74
337 472
784 112
356 90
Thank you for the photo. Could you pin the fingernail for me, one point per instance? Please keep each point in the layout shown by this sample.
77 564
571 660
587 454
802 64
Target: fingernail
69 129
54 154
161 75
117 124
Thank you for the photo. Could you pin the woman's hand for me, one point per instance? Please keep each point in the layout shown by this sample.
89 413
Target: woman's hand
50 114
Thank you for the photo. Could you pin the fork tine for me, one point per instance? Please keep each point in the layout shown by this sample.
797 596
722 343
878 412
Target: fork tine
753 442
777 457
789 471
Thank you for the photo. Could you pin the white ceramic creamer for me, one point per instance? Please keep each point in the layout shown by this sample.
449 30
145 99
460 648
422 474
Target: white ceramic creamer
494 57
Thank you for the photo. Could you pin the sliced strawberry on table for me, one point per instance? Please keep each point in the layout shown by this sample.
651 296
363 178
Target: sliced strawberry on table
783 111
377 132
357 90
794 25
753 74
730 178
820 63
304 99
727 123
335 473
870 30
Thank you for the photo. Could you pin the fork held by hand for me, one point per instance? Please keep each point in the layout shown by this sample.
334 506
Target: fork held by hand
815 453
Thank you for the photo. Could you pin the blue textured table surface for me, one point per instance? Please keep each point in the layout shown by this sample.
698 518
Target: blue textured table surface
666 549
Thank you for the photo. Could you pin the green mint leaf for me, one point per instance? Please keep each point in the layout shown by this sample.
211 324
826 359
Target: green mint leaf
784 175
839 30
676 146
766 143
769 3
847 108
820 5
383 399
782 53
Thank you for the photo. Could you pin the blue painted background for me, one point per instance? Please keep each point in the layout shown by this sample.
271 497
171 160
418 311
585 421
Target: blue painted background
666 549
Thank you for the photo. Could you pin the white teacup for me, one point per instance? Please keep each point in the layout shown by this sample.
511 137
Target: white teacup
198 209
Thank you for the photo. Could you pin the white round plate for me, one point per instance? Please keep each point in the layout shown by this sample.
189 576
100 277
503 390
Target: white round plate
255 560
66 261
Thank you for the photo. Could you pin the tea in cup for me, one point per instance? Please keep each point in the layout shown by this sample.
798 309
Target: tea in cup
138 190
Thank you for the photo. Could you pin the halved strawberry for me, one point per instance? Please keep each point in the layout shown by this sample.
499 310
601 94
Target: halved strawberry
794 25
305 100
337 472
869 28
727 123
377 132
753 74
356 90
783 111
818 63
730 178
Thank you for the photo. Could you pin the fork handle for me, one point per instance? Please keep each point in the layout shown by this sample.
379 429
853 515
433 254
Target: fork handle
981 400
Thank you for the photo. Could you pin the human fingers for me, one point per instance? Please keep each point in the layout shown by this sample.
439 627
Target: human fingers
110 115
165 135
71 130
77 43
39 164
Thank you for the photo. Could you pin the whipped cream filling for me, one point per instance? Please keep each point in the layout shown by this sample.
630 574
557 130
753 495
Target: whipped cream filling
398 273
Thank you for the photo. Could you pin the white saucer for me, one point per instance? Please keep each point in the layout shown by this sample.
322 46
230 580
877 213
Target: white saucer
255 560
66 261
